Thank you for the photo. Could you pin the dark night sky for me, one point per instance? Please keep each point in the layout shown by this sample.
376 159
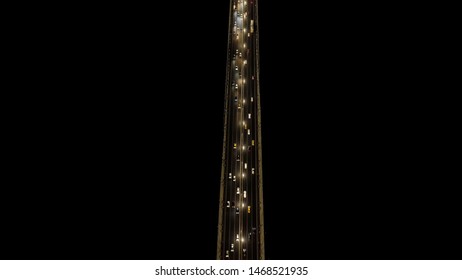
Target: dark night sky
126 164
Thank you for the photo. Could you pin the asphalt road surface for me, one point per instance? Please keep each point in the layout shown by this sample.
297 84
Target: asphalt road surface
241 205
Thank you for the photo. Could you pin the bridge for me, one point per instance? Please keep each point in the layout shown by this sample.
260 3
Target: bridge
240 223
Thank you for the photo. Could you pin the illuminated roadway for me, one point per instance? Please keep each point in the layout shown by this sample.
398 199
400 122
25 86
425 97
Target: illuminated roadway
240 225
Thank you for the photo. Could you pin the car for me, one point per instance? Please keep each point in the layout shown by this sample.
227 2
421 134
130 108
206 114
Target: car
235 145
234 178
237 210
250 115
237 237
238 157
237 192
238 105
245 194
245 165
227 204
230 176
232 247
253 171
253 142
235 98
236 68
244 251
248 131
227 254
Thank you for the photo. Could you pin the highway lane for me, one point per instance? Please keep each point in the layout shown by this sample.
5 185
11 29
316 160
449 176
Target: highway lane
240 236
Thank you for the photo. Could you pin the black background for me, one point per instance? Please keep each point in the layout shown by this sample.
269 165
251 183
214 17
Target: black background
119 153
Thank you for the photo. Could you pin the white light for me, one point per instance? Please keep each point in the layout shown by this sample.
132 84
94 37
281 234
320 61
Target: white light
245 165
251 99
243 81
244 45
249 116
243 205
244 30
243 122
244 101
243 175
243 147
248 131
245 61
